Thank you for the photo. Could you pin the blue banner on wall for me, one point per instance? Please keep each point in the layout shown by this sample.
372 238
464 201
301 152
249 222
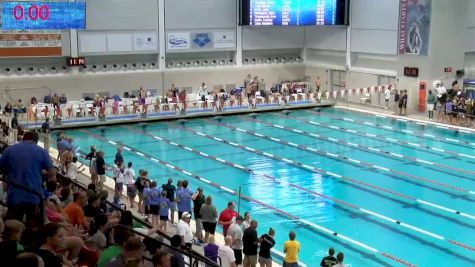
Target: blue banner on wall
414 27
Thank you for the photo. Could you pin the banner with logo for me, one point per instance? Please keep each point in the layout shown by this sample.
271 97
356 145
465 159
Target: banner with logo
414 27
178 41
30 43
202 40
224 39
146 41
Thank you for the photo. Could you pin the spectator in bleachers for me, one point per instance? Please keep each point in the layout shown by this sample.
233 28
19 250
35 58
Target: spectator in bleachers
52 238
28 259
75 212
97 231
14 122
120 236
162 259
177 257
26 164
330 260
10 245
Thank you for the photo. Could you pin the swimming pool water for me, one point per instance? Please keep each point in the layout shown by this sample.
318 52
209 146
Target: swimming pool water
423 190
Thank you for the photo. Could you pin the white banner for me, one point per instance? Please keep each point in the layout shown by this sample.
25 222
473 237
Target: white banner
145 41
178 41
224 39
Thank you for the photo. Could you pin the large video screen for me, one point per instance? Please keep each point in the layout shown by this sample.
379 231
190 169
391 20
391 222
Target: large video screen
294 12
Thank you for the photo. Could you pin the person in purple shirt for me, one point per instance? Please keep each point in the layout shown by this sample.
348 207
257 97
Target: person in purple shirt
147 192
154 195
184 199
26 164
164 205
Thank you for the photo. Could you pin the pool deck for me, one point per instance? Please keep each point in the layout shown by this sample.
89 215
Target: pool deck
83 122
85 178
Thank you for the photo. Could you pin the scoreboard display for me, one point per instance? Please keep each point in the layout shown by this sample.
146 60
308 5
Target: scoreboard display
38 15
294 12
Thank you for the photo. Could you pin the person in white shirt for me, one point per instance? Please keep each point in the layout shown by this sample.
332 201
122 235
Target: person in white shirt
235 231
387 96
72 169
119 177
226 254
184 230
441 93
340 257
203 92
129 174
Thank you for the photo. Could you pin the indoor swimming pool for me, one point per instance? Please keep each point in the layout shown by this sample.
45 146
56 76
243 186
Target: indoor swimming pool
385 192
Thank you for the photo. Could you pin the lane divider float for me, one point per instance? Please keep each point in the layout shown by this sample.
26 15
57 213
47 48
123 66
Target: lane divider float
334 175
370 149
452 141
381 137
348 160
282 212
311 192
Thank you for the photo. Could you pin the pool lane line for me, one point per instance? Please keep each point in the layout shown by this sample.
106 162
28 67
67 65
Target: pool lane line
275 180
343 158
381 137
420 122
364 148
330 174
376 125
447 140
248 198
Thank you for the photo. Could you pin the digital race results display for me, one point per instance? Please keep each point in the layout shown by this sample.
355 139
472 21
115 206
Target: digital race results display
294 12
43 15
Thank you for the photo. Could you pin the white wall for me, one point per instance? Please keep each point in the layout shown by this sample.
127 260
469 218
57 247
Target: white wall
117 83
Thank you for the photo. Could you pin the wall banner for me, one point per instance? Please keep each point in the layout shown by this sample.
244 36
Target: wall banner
30 43
178 41
414 27
202 40
224 39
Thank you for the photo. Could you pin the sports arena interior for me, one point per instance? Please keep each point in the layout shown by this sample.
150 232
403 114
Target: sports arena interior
294 133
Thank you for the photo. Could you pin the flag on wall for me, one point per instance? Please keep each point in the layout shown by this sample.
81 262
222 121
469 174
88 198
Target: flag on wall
414 27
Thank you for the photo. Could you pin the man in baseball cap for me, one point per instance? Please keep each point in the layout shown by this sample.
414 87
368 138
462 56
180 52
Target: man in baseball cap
184 230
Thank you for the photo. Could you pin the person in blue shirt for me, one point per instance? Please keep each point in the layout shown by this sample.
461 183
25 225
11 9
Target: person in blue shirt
184 199
147 192
29 165
154 195
164 206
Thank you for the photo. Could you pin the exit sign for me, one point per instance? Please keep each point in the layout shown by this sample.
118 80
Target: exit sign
411 72
76 61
